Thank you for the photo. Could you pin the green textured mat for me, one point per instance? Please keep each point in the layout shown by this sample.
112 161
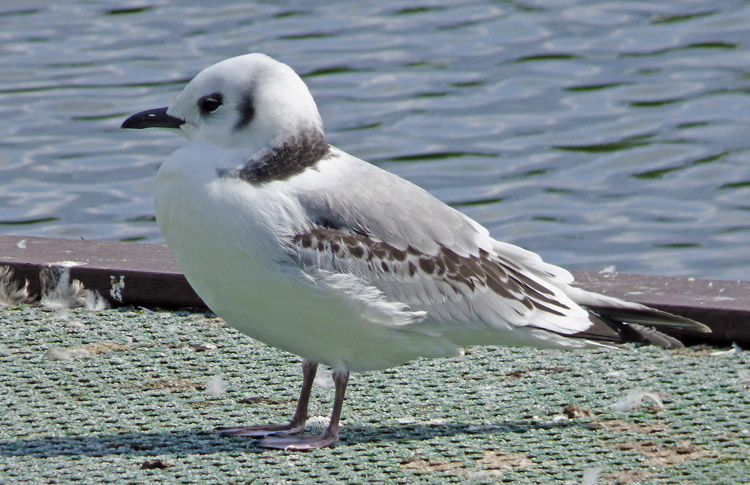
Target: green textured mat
120 397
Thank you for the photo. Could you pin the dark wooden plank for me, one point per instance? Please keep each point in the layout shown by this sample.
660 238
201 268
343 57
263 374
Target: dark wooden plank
152 278
150 275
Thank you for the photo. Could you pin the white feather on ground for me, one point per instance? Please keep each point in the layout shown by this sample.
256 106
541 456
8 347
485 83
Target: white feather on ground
216 386
66 354
12 292
60 293
634 400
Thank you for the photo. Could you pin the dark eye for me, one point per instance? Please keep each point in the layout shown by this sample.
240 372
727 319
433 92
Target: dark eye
209 104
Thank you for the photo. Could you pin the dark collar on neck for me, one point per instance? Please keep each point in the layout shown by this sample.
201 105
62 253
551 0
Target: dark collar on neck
292 157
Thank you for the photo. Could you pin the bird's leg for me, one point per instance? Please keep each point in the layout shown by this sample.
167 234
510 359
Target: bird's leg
296 425
309 442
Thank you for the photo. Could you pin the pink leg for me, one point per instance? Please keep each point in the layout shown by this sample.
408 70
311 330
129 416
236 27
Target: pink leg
296 425
309 442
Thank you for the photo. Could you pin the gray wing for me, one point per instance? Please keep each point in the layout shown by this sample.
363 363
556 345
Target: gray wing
367 222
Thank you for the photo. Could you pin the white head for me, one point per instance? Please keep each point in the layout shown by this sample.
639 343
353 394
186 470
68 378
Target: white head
247 102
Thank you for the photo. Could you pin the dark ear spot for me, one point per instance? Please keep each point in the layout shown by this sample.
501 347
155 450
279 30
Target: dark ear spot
246 110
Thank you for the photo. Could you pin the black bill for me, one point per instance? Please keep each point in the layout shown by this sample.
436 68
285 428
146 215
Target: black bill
152 118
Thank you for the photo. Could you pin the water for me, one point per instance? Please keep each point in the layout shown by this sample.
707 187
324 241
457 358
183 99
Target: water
609 134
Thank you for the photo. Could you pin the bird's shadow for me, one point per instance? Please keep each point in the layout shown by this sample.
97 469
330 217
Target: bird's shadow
201 441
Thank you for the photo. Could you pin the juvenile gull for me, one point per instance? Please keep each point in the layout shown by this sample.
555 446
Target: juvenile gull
304 247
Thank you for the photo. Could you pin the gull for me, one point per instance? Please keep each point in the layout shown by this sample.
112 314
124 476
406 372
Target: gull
306 248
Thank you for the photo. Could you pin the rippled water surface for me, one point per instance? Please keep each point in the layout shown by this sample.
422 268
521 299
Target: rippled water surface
598 134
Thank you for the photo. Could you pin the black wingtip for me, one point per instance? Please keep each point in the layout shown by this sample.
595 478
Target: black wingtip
652 317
